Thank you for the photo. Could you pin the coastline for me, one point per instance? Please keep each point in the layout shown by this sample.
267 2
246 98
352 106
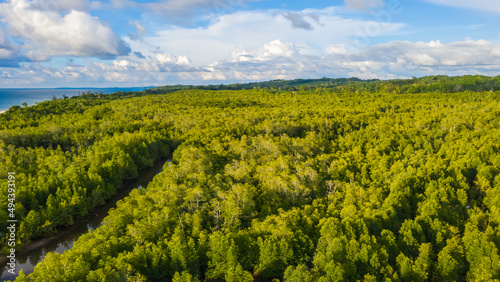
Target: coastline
16 96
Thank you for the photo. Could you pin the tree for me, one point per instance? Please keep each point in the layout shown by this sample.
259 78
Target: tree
451 263
275 253
298 274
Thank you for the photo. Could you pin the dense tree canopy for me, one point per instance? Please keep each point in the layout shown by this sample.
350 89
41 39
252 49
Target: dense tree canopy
69 156
313 184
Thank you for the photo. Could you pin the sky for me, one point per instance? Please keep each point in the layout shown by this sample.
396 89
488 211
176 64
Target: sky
121 43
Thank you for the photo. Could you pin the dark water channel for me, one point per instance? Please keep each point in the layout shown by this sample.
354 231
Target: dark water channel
30 255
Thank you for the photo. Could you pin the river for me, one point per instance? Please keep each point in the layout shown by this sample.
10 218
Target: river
30 255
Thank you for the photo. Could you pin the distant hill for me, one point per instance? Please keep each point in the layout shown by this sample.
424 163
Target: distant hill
433 84
438 83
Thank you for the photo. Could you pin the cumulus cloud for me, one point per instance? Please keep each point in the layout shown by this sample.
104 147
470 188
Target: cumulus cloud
234 47
132 69
363 5
483 5
271 50
135 70
474 53
397 59
276 59
49 32
250 30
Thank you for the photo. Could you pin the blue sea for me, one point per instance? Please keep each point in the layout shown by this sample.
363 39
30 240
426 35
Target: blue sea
16 96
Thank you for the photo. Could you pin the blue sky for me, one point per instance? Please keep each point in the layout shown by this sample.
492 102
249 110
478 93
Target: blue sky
83 43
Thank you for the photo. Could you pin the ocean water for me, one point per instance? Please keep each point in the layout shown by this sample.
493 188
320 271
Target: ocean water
16 96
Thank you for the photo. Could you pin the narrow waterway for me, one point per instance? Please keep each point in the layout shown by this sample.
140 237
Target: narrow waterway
33 253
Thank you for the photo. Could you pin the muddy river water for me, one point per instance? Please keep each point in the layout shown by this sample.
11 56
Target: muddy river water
30 255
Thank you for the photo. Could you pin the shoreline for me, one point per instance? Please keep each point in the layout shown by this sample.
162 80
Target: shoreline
1 112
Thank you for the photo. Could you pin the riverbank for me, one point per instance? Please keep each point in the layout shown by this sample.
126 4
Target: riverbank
30 255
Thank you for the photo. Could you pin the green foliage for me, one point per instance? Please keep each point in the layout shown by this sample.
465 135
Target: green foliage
184 277
298 274
438 83
354 181
67 162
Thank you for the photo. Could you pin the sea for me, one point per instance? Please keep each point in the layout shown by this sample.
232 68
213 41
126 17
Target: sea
17 96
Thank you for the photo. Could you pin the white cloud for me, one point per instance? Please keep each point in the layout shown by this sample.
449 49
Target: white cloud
132 70
234 47
247 31
364 5
49 32
483 5
474 53
336 49
277 48
276 59
128 70
386 61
